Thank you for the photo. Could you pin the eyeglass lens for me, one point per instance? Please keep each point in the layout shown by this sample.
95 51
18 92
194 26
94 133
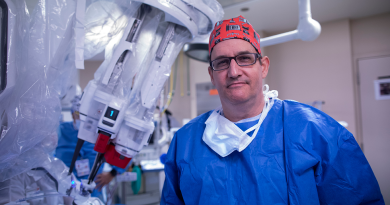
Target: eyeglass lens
242 60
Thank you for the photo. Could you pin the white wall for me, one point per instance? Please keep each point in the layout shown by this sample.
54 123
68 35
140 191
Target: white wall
370 38
181 102
87 74
199 74
318 70
184 106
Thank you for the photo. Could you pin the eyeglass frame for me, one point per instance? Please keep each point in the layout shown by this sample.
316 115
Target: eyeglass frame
230 60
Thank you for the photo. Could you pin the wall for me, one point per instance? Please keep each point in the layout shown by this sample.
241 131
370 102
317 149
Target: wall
370 38
86 75
199 74
184 106
318 70
181 102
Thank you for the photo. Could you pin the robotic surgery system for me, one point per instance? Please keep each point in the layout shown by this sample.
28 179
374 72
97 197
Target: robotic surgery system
116 108
43 44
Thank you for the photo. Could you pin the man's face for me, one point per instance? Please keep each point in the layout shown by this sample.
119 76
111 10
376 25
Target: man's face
237 85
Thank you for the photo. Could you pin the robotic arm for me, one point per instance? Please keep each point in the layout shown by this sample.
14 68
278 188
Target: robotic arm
116 116
116 113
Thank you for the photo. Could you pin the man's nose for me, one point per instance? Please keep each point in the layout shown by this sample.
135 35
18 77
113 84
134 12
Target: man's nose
234 70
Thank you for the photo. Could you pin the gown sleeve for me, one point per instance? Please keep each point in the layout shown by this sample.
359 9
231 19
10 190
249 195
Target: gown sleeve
348 177
324 163
171 193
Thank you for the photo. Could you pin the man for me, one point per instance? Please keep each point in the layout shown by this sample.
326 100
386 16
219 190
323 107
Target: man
257 149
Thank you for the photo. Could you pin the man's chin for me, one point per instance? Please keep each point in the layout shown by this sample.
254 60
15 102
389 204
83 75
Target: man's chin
238 99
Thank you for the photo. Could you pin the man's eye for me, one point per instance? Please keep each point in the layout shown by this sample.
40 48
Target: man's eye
244 58
222 62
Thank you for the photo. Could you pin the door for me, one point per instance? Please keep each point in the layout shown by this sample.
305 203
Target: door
376 118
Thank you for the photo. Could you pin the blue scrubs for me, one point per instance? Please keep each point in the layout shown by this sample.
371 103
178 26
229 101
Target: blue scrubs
299 156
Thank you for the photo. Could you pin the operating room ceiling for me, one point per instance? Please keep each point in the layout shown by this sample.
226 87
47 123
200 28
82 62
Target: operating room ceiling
274 16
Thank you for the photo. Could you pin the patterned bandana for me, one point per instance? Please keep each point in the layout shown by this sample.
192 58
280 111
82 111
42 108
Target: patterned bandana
235 28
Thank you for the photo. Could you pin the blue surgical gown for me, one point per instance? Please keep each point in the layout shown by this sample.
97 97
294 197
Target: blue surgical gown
299 156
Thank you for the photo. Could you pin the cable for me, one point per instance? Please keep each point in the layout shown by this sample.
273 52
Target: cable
48 174
172 87
181 75
188 77
76 153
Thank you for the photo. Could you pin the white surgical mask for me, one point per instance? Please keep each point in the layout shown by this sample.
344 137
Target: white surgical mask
223 136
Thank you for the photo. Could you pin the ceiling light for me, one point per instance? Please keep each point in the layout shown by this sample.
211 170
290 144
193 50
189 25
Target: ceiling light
197 51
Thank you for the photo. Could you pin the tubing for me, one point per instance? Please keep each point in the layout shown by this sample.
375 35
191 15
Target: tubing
280 38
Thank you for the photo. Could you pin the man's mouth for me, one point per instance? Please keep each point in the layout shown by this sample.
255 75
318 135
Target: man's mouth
234 84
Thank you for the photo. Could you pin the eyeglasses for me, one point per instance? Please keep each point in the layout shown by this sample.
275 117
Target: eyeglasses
242 60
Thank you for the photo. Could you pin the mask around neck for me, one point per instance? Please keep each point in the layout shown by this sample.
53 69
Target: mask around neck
224 137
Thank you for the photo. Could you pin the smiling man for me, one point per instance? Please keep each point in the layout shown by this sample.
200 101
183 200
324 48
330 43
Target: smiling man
257 149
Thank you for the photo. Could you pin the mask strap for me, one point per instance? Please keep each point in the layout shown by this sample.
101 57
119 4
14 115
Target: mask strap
267 105
265 89
254 127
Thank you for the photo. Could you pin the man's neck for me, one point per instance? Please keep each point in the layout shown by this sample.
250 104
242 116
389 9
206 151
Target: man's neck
239 111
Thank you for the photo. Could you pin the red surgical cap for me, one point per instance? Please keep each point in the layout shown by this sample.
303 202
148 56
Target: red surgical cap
235 28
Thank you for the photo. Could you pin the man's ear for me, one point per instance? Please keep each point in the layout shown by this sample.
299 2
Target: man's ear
265 66
211 75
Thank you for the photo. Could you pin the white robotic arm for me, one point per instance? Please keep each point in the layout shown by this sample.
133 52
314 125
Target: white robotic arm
120 123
